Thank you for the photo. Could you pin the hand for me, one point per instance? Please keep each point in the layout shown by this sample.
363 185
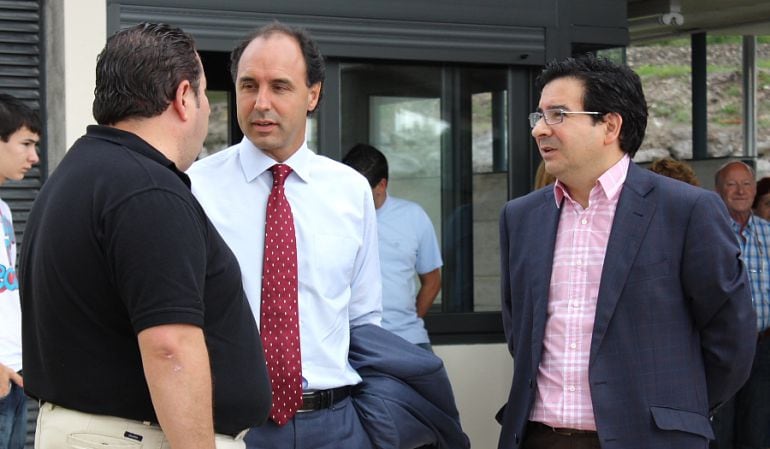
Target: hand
7 376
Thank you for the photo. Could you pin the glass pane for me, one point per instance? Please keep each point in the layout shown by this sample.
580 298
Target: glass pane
408 131
218 137
397 109
412 113
664 68
725 95
490 181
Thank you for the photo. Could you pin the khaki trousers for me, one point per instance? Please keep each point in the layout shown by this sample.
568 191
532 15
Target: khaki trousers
59 428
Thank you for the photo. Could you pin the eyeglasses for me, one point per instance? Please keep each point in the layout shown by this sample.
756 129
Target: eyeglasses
554 116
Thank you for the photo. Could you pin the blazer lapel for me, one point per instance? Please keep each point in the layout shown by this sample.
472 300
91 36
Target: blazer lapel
632 218
547 218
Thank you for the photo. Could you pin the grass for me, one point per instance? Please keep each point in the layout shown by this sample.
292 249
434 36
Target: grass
727 114
662 71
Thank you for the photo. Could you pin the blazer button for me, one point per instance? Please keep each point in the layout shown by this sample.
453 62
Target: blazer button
530 383
516 438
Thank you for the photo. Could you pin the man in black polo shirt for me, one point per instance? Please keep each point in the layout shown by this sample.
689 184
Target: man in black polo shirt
133 311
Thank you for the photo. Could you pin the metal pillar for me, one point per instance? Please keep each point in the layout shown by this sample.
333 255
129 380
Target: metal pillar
699 92
749 96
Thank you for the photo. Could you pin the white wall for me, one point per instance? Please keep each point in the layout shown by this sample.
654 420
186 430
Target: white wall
76 31
481 378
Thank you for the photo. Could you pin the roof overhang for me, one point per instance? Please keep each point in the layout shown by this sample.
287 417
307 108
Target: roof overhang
650 20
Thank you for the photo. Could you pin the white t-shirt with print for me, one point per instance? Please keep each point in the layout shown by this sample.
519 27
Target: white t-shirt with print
10 307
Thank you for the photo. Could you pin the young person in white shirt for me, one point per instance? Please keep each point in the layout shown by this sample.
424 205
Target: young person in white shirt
19 136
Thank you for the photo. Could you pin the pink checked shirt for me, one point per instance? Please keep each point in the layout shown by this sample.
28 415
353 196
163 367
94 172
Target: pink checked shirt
563 396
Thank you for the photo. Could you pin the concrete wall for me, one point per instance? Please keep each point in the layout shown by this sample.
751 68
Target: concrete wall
74 35
481 378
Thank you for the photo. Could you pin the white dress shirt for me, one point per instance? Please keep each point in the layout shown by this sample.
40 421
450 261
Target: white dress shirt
336 227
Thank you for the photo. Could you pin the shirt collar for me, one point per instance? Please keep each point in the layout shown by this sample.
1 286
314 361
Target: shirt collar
136 144
609 182
750 224
254 161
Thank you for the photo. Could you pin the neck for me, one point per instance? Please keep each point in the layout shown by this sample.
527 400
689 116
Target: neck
742 218
157 136
580 186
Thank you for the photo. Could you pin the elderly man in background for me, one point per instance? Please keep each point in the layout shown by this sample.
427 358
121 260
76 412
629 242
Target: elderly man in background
743 423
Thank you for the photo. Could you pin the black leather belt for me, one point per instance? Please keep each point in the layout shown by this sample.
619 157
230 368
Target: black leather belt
565 431
321 399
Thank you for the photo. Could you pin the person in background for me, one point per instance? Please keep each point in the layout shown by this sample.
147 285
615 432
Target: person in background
408 248
761 205
542 177
625 304
135 325
675 169
19 136
743 422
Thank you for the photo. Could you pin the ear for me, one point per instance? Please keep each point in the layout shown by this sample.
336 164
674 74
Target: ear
183 99
383 184
313 95
612 125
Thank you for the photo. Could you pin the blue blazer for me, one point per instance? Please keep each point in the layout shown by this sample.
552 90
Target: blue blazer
675 330
405 400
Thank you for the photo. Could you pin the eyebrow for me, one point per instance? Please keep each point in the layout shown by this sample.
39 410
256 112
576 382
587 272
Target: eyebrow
556 106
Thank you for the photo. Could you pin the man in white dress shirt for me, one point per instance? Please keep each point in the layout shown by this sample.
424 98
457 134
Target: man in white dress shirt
278 74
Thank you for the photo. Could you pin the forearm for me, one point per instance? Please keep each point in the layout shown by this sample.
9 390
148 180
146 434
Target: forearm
430 285
176 366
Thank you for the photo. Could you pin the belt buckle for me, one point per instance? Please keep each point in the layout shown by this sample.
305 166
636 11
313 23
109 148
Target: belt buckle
310 402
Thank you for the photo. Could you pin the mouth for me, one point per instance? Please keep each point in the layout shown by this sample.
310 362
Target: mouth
263 125
544 149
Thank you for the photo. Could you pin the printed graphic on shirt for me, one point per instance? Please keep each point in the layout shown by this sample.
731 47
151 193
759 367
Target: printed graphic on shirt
8 280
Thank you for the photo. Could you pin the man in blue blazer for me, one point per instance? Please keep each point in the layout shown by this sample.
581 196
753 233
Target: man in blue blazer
625 304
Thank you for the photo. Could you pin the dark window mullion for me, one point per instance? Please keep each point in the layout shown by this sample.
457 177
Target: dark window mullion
457 192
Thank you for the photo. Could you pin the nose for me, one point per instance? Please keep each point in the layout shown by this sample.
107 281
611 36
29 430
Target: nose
541 129
33 157
262 102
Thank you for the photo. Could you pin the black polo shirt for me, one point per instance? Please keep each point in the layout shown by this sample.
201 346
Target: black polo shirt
116 243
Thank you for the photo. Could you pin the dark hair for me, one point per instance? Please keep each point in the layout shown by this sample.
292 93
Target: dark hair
368 161
140 69
675 169
314 60
763 188
14 115
608 87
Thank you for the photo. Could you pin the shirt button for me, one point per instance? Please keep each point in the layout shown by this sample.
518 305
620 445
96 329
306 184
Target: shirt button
584 221
573 345
578 263
571 388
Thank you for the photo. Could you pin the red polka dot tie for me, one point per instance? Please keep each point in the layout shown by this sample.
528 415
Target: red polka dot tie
279 320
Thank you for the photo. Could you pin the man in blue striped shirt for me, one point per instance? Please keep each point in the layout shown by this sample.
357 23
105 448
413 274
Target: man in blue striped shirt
744 421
